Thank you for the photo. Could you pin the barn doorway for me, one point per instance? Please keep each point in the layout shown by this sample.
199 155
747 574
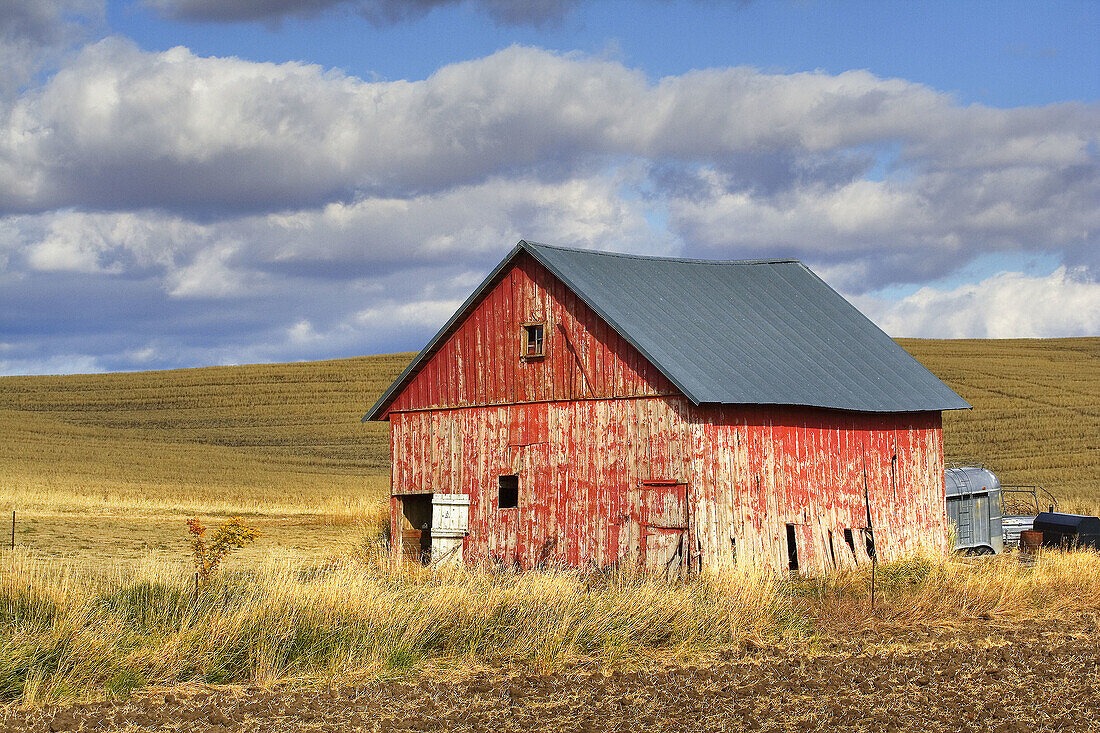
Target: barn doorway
433 526
659 515
792 549
416 527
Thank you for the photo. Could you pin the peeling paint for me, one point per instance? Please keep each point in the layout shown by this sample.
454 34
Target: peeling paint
616 467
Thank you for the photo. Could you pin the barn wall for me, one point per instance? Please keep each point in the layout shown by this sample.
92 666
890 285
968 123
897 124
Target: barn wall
749 471
479 363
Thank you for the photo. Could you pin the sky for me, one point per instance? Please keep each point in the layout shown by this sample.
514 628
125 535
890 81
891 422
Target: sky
195 182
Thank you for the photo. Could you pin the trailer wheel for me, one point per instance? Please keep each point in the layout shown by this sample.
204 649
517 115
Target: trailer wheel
980 550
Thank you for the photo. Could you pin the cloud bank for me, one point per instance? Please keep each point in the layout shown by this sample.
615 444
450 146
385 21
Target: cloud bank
1007 305
233 211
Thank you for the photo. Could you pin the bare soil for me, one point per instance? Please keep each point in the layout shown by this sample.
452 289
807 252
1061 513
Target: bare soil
980 681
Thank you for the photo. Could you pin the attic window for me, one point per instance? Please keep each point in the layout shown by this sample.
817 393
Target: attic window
508 492
533 343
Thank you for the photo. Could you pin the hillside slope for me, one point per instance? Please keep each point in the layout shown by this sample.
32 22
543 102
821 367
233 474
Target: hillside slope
286 438
269 437
1036 416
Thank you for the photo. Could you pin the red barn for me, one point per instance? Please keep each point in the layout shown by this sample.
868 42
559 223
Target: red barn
598 409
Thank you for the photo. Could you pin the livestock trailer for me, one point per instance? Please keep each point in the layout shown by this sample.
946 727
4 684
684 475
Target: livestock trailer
974 509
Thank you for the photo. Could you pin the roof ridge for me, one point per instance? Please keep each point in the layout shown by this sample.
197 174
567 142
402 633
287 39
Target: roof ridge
689 260
785 336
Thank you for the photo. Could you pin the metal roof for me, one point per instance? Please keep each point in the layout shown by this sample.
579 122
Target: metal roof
735 332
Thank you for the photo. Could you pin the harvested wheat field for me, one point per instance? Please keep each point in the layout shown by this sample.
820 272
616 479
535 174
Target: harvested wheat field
1036 416
102 626
109 465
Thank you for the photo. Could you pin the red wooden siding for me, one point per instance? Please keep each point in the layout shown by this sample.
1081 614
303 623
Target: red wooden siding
749 471
479 364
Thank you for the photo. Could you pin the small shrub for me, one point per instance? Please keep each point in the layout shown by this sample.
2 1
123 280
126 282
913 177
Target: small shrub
230 535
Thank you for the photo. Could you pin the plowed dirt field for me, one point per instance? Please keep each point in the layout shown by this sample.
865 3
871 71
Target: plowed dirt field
1001 682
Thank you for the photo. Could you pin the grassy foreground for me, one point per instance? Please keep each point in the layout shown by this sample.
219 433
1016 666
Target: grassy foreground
71 633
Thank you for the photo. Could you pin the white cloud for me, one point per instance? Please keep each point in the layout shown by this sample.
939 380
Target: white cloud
302 333
897 231
144 355
215 210
210 275
473 225
55 364
36 33
294 132
73 241
1008 305
70 245
763 163
418 314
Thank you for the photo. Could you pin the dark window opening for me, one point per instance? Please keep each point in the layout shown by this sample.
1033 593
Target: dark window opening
792 549
869 540
508 492
850 538
533 342
894 475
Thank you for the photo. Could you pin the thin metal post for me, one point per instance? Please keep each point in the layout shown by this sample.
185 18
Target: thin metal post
13 529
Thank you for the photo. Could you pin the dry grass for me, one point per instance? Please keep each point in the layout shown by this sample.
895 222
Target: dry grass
72 631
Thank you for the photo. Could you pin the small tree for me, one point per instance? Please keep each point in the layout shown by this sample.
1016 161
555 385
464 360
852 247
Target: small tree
229 535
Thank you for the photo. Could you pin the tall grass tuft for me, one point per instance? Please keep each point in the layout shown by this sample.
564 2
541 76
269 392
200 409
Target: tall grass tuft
69 632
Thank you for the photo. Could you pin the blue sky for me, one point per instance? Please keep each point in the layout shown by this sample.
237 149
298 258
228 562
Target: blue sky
190 182
1002 54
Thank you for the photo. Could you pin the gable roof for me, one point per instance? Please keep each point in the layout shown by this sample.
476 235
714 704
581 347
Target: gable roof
733 332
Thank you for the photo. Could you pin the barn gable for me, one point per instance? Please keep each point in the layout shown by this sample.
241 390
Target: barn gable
742 332
478 358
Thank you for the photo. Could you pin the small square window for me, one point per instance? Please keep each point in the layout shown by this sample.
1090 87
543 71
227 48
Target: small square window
533 343
508 492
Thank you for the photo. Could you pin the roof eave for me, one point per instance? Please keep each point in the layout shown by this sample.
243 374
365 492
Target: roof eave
379 410
836 408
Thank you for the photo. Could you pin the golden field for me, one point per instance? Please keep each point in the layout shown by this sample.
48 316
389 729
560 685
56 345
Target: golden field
108 465
1036 416
98 598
